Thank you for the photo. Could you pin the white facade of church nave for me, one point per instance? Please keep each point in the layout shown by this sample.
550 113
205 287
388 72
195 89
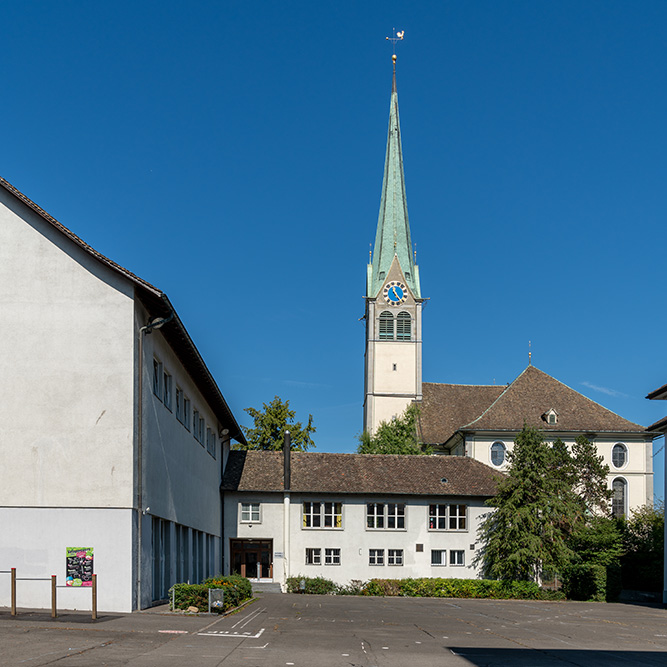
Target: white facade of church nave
69 331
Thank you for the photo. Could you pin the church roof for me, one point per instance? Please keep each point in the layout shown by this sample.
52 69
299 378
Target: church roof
158 305
311 472
393 229
526 400
447 407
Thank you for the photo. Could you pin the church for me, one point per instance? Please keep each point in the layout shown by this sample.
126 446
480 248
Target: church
477 421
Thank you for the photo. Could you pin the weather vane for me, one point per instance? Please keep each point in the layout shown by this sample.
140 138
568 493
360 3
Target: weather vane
397 38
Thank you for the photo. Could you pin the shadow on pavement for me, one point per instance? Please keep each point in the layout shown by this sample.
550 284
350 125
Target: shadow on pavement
65 617
497 657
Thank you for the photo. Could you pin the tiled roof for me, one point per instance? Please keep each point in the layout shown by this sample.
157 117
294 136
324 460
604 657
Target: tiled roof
660 426
447 407
360 473
659 394
533 393
158 305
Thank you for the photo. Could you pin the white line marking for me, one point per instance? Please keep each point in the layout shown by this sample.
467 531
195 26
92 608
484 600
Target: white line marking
235 635
265 645
246 619
174 632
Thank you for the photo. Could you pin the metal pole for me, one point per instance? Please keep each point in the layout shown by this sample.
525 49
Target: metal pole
54 613
94 597
13 591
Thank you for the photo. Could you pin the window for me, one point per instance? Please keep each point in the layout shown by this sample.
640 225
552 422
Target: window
376 556
437 517
439 557
157 378
211 441
250 512
385 516
457 557
457 517
447 517
198 426
619 455
200 429
498 453
314 557
322 515
332 556
403 326
179 404
395 557
186 412
386 326
619 492
166 386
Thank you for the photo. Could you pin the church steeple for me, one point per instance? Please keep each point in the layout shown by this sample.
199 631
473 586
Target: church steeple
393 230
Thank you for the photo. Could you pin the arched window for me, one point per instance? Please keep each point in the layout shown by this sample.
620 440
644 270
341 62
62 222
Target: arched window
403 326
619 492
386 326
498 453
619 455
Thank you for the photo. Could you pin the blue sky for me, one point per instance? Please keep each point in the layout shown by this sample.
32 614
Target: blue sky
231 153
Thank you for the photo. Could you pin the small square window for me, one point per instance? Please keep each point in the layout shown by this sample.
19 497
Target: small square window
250 512
376 556
395 557
438 557
419 548
457 557
313 556
332 556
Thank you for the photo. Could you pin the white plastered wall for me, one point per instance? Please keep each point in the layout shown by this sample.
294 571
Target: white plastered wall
354 539
638 470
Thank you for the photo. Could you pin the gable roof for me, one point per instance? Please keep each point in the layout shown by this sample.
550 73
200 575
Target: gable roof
158 305
360 474
447 407
533 393
445 412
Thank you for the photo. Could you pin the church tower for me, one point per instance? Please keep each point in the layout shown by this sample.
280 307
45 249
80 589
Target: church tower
393 359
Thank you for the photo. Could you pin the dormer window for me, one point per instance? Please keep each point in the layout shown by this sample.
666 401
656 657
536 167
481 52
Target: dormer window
550 417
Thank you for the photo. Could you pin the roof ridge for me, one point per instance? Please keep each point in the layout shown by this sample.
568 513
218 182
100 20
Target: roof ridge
454 384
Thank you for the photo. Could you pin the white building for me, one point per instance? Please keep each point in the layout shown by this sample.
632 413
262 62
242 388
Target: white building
114 433
478 421
353 516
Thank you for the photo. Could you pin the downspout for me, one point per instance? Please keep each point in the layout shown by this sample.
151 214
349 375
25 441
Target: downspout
156 323
287 446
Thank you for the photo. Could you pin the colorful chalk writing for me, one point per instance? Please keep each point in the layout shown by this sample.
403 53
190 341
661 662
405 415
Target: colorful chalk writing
79 566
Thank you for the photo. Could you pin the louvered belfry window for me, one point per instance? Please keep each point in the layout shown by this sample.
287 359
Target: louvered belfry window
386 326
403 326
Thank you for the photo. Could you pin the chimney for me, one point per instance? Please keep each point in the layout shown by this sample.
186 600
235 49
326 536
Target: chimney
287 447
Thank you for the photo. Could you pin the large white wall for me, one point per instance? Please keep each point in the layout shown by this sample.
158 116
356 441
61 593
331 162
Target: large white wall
66 396
637 471
355 539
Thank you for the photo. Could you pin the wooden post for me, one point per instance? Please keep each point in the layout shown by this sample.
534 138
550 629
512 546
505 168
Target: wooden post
13 591
94 597
54 613
243 569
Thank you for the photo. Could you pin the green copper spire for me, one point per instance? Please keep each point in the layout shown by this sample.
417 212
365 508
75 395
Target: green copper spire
393 230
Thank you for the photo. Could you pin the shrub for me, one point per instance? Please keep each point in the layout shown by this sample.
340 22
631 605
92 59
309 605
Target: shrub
237 589
592 582
313 585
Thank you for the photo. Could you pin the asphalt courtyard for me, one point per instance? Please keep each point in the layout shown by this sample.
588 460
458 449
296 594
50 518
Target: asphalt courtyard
313 631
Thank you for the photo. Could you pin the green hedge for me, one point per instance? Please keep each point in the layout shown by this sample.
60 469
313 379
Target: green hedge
426 587
237 589
592 583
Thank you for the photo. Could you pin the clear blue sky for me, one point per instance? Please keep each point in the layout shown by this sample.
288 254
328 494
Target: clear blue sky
231 153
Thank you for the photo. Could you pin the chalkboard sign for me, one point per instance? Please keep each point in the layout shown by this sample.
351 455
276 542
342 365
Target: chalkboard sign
79 566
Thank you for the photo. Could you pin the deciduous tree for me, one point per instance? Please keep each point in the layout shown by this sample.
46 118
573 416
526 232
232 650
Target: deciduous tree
398 436
271 422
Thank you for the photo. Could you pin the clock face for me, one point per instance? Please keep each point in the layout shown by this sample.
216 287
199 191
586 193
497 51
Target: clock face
395 293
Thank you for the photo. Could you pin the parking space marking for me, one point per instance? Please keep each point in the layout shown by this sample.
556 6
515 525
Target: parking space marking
234 635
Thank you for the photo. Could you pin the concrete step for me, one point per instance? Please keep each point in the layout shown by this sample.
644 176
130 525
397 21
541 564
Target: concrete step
265 587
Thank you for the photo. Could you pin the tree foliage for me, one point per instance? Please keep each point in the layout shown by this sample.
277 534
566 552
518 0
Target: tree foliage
270 424
398 436
644 542
552 511
535 511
